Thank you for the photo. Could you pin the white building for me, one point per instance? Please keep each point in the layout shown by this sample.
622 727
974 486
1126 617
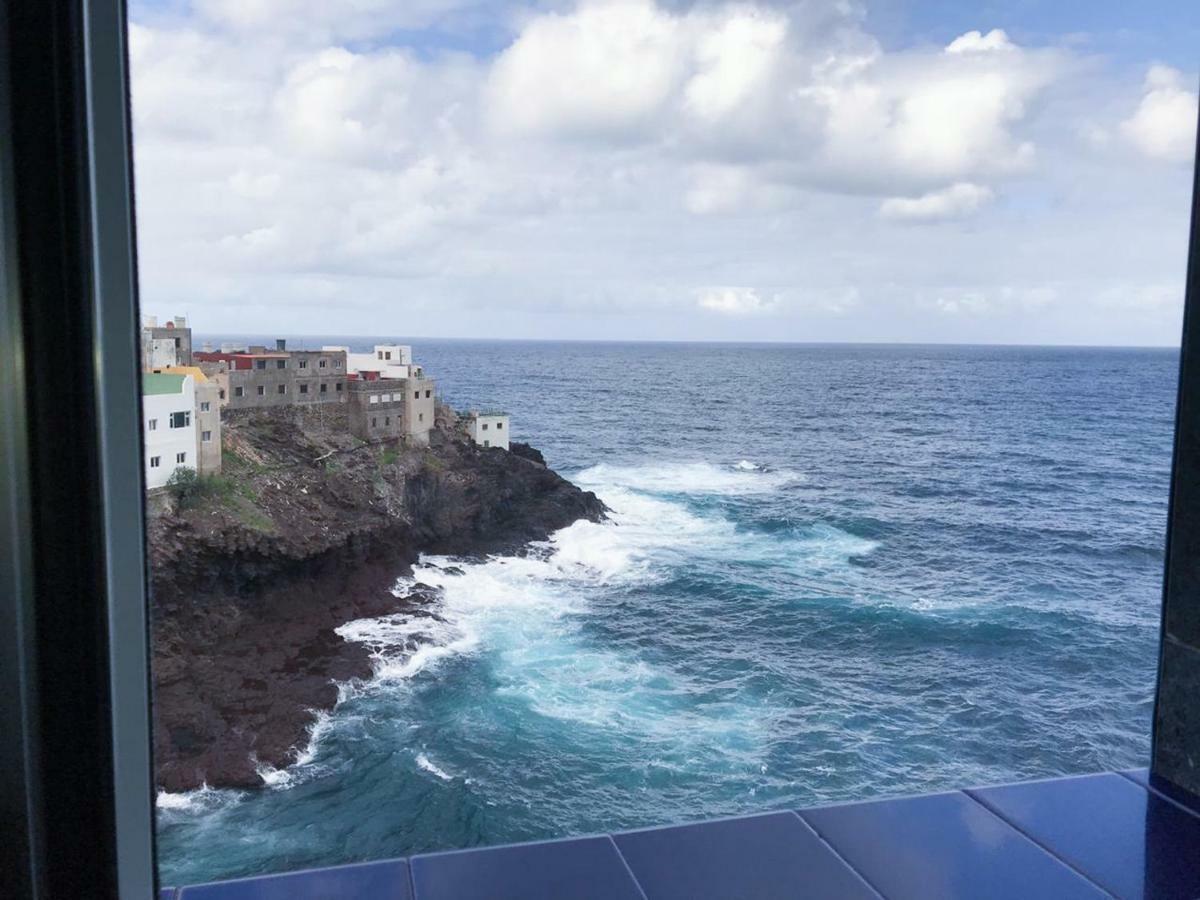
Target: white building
489 429
168 425
389 360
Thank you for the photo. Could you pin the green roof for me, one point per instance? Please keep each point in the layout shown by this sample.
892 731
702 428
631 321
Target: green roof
155 383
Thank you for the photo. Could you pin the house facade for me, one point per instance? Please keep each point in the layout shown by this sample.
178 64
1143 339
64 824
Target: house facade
169 344
258 377
207 416
489 429
168 425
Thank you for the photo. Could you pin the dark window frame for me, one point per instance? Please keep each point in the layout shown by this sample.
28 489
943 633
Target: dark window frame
75 764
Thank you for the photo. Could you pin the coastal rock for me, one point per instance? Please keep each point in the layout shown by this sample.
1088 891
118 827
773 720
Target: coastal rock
309 528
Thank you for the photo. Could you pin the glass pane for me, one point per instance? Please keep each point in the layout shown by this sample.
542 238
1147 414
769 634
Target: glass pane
596 415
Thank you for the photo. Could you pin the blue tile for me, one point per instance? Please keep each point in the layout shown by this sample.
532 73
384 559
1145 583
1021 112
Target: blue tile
1174 792
1128 840
581 869
943 846
376 881
768 856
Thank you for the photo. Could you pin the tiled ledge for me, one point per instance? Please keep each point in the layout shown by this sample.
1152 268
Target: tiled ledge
1093 836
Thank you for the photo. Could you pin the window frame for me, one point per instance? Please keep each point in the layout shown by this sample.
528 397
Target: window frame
75 763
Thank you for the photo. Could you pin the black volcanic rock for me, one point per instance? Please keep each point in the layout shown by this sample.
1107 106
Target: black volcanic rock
309 528
526 452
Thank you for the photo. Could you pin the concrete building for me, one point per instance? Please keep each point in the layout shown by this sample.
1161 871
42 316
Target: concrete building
258 377
489 429
207 417
166 345
376 408
420 403
168 425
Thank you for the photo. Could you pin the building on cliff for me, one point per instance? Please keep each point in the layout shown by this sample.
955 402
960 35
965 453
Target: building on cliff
166 345
207 416
391 407
168 425
258 377
489 429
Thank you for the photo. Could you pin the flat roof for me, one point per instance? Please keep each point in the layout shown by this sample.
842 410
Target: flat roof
161 383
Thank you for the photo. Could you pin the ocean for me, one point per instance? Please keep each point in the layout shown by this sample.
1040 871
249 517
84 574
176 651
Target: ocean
831 572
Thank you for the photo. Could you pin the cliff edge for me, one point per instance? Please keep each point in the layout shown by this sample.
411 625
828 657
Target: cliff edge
308 528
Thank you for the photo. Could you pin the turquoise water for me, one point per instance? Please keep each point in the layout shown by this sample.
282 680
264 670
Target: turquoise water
830 573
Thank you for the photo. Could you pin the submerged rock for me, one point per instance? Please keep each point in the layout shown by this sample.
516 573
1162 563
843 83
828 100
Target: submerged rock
307 529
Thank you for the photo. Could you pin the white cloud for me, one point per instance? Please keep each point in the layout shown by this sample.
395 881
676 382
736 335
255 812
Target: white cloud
976 42
606 69
736 301
955 202
1164 124
611 156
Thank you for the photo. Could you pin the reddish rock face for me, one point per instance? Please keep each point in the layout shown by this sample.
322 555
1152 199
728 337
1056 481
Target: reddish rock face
310 529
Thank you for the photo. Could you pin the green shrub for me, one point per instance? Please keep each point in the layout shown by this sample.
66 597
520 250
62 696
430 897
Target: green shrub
190 489
389 456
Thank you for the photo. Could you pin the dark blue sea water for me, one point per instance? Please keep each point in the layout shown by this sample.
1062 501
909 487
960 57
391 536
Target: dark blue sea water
832 572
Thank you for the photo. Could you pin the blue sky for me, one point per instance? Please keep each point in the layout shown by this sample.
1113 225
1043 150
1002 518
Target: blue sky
829 170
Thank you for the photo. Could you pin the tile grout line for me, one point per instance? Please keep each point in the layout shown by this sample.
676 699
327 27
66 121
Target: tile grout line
1153 791
832 849
621 856
412 881
1037 843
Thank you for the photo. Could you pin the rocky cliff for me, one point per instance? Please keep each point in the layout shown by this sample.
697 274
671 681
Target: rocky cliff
308 528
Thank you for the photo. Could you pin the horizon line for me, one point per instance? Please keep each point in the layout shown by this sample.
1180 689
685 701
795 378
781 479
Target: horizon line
752 342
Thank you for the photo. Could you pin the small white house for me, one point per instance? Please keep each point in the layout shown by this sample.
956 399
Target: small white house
489 429
168 425
389 360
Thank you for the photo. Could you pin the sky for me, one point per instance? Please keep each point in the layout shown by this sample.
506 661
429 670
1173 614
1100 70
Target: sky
822 170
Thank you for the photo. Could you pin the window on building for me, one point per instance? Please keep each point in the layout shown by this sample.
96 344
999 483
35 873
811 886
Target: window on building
499 425
221 395
206 437
428 393
262 390
420 417
339 385
337 363
387 420
385 398
155 462
180 458
324 388
374 398
416 395
152 425
373 421
260 364
303 388
281 363
388 355
487 443
303 363
485 426
239 392
321 364
181 419
281 389
205 406
379 354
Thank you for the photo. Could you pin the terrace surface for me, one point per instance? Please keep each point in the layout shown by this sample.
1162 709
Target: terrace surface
1119 834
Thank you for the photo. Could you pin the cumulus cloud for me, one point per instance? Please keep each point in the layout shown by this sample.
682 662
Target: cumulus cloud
1164 124
736 301
603 158
955 202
